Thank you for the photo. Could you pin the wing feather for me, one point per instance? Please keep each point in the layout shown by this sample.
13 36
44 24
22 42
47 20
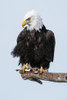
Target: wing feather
50 45
17 51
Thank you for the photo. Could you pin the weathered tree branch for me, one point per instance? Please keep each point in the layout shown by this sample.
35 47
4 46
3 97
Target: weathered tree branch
54 77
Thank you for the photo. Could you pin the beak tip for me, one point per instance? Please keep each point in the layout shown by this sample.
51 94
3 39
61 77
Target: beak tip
24 23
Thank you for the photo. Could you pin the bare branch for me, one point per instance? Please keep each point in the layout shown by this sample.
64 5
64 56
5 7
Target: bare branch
54 77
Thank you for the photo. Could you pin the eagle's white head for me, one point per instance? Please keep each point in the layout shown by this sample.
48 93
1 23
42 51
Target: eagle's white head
32 20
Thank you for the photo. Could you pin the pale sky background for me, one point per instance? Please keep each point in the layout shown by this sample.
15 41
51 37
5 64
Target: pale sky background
54 15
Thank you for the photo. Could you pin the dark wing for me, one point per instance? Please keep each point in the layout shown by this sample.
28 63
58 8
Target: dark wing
50 45
17 51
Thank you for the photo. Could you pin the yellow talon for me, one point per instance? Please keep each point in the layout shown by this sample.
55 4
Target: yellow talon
27 67
24 67
41 70
45 71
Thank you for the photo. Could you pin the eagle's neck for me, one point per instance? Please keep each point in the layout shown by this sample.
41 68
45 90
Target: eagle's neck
43 29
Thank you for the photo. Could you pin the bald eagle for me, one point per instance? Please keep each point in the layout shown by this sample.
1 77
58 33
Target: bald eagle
35 44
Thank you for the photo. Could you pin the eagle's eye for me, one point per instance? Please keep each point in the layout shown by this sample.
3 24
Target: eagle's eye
28 19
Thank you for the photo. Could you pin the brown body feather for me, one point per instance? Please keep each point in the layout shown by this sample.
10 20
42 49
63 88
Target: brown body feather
35 47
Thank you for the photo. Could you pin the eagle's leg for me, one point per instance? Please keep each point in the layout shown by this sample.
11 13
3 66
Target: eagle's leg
24 67
41 70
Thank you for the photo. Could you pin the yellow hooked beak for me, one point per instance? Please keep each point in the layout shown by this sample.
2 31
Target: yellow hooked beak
24 23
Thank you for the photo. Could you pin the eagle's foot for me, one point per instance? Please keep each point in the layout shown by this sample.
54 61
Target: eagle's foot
24 67
41 70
